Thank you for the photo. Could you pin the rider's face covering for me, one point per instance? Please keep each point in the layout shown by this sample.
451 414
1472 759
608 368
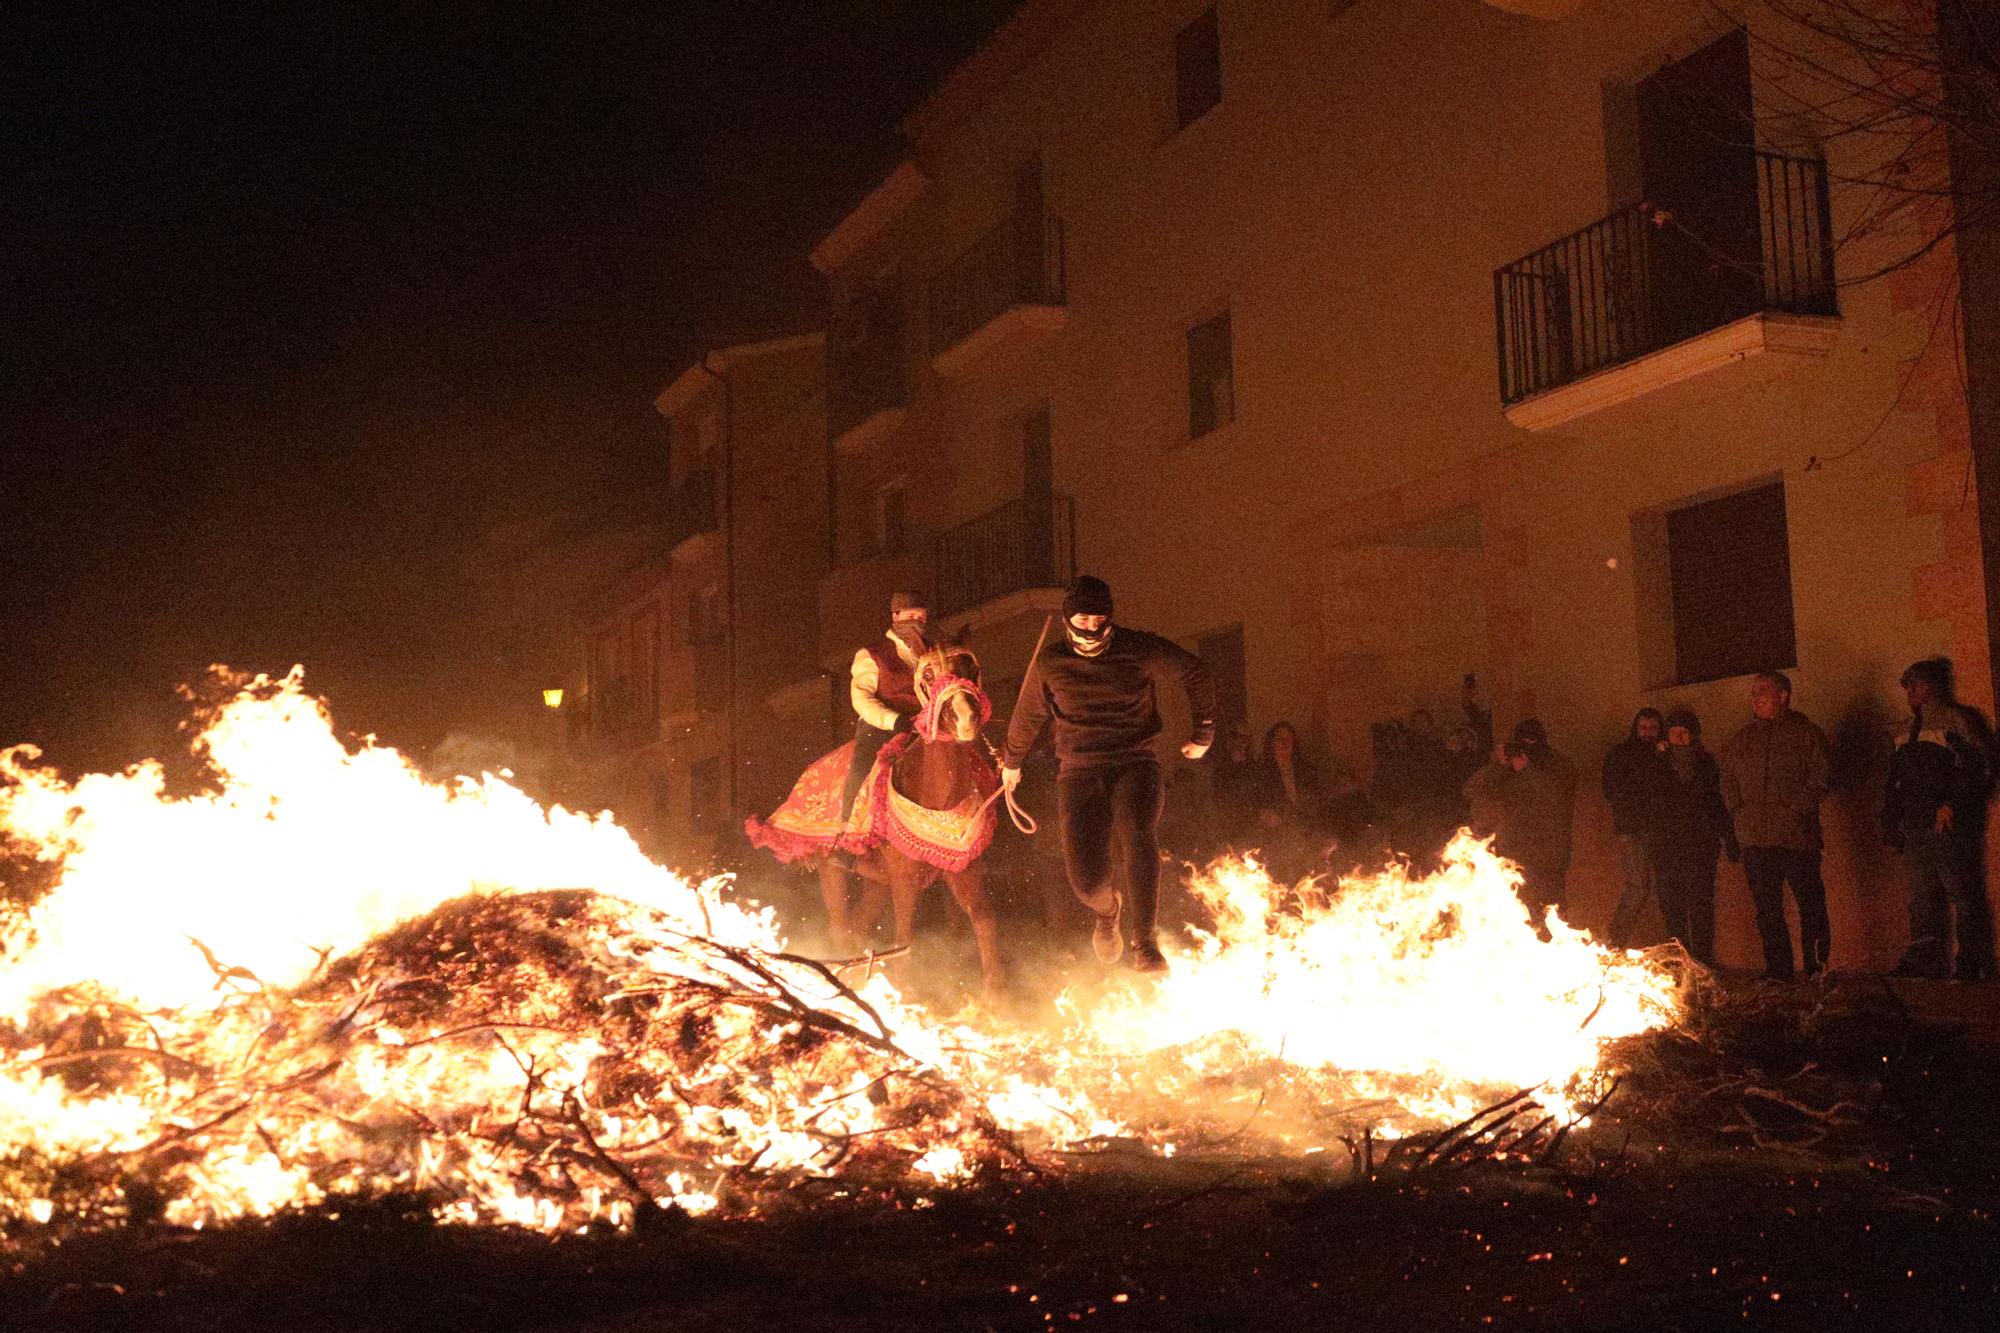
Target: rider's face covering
1088 634
911 629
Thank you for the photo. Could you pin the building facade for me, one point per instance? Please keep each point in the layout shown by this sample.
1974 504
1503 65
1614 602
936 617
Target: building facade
697 696
1369 345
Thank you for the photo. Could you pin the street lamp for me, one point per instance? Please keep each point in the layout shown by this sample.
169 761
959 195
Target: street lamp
552 698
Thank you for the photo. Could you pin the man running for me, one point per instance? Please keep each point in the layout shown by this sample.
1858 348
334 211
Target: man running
1100 686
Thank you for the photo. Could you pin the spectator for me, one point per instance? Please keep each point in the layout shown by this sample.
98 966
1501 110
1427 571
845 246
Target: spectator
1390 742
1477 715
1686 823
1464 752
1291 806
1528 795
1288 788
1433 795
1350 818
1933 813
1774 776
1629 770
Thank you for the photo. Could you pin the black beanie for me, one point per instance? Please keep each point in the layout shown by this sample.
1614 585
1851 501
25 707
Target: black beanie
1087 596
1935 671
1684 717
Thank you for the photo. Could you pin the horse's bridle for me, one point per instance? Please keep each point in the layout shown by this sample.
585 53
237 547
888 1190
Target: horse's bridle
937 686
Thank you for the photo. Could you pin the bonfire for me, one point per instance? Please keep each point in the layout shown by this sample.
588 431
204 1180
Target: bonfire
325 977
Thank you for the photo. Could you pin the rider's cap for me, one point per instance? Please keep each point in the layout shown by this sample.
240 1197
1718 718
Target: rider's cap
1087 596
900 602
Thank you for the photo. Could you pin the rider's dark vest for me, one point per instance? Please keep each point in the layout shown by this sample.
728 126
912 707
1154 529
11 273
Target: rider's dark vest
895 682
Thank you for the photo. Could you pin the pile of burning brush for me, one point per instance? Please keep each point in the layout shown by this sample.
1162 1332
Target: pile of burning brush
547 1059
322 976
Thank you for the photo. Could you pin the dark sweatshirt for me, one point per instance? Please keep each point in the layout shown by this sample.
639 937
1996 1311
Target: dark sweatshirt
1629 770
1106 708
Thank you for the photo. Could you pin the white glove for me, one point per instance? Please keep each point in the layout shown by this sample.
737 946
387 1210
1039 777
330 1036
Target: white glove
1010 778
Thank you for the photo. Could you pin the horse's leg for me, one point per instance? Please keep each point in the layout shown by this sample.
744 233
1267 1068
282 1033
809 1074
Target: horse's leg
841 937
906 885
968 886
874 898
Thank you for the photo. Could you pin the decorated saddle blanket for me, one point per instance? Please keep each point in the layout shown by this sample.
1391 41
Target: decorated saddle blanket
808 824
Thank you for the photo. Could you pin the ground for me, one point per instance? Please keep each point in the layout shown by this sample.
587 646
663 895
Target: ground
1819 1157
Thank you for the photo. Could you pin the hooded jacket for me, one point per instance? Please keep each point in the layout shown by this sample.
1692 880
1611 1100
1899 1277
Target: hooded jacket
1628 772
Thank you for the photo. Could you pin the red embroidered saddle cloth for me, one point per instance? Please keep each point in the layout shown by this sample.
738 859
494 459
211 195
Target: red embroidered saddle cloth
808 824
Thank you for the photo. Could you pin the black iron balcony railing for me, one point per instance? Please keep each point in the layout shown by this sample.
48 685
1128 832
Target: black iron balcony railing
1646 278
865 370
692 506
1003 551
1019 262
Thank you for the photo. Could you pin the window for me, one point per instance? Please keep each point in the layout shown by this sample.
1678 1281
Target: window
1197 70
643 649
705 796
892 517
1730 571
1211 377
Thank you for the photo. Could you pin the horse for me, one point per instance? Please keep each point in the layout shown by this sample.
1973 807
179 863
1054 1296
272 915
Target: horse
931 816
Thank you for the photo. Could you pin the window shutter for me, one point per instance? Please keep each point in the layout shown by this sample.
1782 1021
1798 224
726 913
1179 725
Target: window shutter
1730 562
1197 70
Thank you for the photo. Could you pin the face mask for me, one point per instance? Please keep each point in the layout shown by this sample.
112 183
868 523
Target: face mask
911 632
1088 643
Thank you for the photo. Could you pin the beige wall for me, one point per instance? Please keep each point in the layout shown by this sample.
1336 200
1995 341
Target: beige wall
1348 202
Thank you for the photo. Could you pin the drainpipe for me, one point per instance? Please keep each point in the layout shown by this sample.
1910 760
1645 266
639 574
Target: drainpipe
727 499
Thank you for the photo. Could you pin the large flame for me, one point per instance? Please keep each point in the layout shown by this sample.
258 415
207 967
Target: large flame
325 975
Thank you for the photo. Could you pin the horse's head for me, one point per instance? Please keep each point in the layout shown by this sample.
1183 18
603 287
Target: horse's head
955 706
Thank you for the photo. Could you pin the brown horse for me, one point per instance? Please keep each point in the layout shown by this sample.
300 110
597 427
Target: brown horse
945 764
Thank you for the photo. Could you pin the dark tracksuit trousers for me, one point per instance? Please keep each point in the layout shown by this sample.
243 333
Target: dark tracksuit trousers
1686 879
1114 803
1769 870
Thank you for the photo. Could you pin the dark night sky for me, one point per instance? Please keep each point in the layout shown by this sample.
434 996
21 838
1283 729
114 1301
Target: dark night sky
296 302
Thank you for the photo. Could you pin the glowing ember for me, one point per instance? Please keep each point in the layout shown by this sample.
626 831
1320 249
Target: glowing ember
327 976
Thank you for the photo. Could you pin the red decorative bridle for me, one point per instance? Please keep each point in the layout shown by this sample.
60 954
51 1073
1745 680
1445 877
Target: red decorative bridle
937 684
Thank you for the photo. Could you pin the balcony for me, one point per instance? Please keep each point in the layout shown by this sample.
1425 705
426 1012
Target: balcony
1004 551
867 384
1006 289
1643 299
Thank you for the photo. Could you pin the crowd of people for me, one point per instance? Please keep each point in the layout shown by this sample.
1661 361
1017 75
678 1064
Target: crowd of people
1677 807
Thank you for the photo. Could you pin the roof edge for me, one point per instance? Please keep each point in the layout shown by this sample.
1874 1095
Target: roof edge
690 382
868 219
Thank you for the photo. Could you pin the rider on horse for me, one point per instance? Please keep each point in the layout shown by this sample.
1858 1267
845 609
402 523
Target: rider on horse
882 686
1100 686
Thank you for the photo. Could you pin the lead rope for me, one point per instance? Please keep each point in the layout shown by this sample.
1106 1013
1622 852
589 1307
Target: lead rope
1022 819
